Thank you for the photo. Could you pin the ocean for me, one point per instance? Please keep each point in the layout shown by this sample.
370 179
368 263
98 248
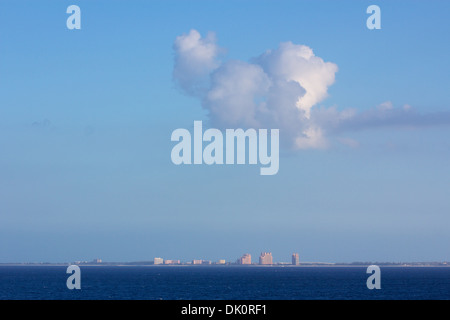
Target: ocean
223 283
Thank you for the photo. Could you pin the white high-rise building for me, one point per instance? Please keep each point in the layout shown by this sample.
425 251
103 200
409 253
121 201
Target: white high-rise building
295 259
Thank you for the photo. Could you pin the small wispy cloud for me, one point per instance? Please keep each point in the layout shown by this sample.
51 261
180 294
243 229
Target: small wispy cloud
280 88
42 124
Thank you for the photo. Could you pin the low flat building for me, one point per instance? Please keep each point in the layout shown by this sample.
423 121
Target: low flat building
171 261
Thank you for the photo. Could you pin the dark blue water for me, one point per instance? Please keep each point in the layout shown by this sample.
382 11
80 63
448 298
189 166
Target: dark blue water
222 282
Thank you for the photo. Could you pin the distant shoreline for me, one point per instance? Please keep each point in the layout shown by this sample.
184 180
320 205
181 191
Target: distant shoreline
302 265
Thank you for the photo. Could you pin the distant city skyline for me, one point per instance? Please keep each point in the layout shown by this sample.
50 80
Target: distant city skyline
223 262
86 118
265 259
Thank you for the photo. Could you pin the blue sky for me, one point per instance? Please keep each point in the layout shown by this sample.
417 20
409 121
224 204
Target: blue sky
86 117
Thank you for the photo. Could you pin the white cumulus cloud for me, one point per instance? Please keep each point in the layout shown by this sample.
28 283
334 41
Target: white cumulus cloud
275 90
279 89
292 62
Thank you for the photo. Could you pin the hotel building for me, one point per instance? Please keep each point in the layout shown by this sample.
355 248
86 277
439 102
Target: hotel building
245 259
171 261
295 259
265 258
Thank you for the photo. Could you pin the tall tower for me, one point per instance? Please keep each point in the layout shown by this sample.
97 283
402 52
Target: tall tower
265 258
245 259
295 259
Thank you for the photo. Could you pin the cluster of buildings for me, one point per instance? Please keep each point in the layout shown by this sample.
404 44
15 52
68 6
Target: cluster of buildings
195 261
264 259
95 261
162 261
